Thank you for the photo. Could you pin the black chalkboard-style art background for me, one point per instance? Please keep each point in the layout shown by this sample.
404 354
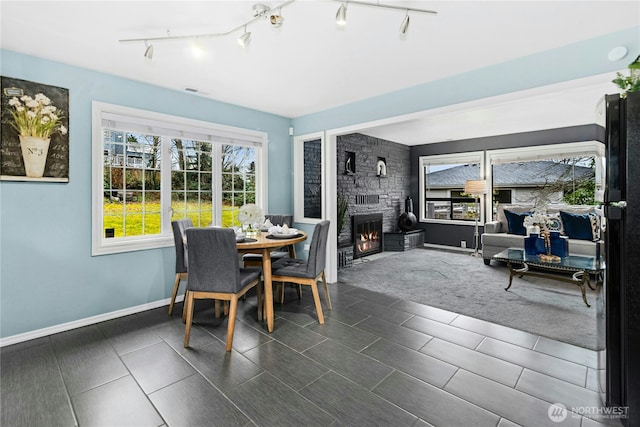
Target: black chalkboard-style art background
11 163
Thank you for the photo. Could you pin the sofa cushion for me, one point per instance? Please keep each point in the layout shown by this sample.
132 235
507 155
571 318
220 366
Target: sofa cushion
577 226
502 218
515 222
554 222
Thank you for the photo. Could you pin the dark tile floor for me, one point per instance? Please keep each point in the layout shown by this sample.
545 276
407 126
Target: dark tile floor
377 360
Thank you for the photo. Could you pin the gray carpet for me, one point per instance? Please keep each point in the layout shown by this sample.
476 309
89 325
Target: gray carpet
460 283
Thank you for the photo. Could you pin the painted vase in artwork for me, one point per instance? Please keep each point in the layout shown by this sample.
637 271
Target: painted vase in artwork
34 154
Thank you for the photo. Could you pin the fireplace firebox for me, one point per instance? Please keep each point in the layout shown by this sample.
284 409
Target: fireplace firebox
367 234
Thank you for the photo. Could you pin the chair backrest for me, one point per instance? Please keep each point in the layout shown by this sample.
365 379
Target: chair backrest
213 260
280 219
318 249
179 228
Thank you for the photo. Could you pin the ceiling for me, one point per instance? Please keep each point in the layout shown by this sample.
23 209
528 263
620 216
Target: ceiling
310 65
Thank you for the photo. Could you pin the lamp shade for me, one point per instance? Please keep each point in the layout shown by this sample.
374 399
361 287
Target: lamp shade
475 187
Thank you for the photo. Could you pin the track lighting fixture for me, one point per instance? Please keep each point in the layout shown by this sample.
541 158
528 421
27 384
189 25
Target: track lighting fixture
404 27
274 16
341 15
245 38
148 52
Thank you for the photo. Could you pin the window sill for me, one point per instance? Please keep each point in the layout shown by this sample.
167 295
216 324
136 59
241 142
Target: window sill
120 245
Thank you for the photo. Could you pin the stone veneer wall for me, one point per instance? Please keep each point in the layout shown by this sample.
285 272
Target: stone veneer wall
365 186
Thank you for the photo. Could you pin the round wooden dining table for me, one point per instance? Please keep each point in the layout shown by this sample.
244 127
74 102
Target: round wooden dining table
263 244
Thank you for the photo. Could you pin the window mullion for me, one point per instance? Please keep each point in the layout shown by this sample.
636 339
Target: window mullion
216 177
165 185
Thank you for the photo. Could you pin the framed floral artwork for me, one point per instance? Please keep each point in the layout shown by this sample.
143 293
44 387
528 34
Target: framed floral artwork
35 132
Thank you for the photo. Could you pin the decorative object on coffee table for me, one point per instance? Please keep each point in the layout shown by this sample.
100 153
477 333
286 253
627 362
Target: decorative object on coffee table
533 244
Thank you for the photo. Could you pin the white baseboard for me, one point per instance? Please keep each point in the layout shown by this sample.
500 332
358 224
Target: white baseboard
15 339
449 248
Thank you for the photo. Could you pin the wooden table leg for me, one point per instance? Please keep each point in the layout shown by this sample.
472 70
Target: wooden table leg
268 287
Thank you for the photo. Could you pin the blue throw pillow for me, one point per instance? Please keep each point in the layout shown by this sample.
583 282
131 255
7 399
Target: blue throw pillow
515 222
577 226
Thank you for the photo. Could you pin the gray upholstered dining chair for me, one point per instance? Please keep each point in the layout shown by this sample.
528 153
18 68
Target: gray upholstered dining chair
307 272
179 228
215 273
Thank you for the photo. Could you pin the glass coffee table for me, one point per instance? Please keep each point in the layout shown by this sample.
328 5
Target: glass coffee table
580 267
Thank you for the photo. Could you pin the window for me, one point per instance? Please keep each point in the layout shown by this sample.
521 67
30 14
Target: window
562 173
150 168
571 173
442 181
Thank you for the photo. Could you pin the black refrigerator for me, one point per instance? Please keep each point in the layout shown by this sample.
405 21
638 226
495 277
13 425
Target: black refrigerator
618 306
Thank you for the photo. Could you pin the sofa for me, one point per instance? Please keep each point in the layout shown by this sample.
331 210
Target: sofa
581 224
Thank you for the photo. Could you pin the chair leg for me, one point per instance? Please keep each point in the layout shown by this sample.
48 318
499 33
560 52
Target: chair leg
184 306
226 308
176 285
260 302
316 299
299 291
232 321
217 308
187 328
326 290
279 293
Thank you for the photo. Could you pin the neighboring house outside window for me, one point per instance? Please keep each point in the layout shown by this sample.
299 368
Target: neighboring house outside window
150 169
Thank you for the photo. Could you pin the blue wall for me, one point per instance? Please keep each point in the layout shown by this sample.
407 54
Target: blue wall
47 274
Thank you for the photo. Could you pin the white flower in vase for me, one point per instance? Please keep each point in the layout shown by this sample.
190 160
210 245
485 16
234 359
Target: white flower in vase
251 215
536 223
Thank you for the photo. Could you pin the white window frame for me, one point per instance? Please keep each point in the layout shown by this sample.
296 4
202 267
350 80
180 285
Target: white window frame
189 128
447 159
543 152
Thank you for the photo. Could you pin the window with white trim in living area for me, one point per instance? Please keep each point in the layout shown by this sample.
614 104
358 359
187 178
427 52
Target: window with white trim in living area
570 173
442 183
151 168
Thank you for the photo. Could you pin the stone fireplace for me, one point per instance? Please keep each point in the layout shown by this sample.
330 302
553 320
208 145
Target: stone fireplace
367 234
365 189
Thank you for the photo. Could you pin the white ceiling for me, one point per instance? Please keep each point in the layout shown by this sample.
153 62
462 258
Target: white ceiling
309 64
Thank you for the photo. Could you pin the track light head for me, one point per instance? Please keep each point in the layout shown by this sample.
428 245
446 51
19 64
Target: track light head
276 19
341 15
244 39
404 27
148 52
260 10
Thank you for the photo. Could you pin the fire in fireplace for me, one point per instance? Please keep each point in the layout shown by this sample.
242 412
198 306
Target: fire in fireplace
367 234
